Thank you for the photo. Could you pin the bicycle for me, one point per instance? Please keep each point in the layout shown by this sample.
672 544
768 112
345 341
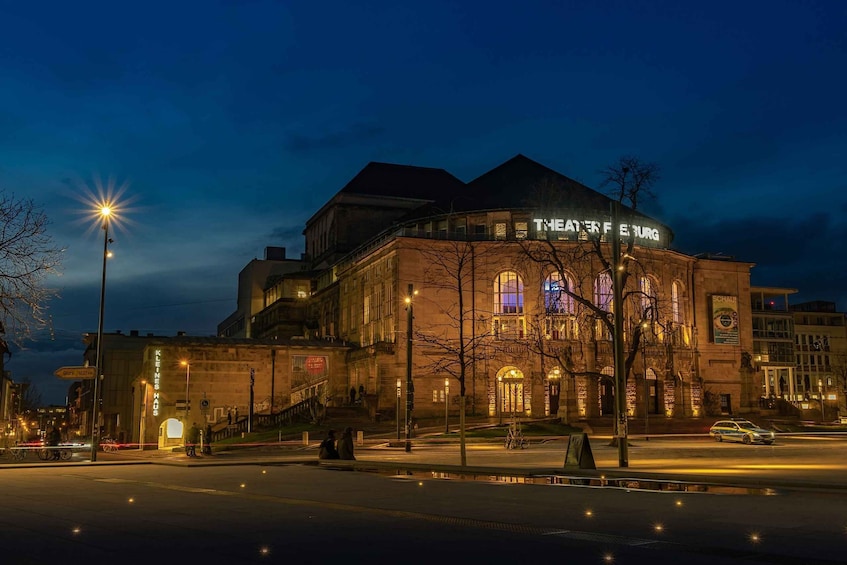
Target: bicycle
515 439
108 445
15 453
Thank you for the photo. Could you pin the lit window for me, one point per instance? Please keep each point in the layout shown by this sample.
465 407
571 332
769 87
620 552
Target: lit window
508 293
521 230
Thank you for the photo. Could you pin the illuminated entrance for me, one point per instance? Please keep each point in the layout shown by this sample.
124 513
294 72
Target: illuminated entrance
510 381
607 391
170 433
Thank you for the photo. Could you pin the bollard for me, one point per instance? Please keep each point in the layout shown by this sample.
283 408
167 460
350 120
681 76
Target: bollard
305 438
360 438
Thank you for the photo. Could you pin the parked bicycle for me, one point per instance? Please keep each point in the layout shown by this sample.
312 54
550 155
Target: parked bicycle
515 439
14 453
109 445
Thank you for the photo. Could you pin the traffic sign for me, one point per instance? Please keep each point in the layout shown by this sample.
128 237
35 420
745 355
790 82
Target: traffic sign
76 373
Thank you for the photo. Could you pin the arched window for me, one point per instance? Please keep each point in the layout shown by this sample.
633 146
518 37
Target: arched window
559 307
603 296
556 300
508 293
648 297
676 307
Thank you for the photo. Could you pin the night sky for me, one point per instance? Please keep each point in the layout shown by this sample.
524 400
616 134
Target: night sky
227 124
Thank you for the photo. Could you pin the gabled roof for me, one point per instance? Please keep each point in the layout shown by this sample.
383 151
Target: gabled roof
403 181
520 183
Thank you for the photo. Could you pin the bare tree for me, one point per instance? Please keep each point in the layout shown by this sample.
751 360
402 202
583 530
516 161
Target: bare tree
27 256
457 338
577 303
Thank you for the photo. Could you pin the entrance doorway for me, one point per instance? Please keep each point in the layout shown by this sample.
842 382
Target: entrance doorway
652 392
510 381
171 432
607 392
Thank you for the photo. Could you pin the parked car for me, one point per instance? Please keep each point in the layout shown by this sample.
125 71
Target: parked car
741 430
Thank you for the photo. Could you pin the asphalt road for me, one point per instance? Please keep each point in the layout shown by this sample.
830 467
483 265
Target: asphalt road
279 513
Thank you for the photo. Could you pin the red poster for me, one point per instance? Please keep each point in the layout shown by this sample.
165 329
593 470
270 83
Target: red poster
315 365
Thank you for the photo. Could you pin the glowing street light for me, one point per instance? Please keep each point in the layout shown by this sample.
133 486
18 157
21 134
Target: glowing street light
105 214
447 405
397 415
410 389
187 366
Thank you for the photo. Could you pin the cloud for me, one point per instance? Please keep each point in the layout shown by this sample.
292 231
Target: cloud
793 251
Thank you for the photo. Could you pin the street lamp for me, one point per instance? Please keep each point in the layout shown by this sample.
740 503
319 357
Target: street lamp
644 327
142 433
410 391
447 405
620 375
397 414
499 394
187 366
105 212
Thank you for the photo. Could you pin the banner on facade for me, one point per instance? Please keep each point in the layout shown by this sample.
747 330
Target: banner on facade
308 369
725 319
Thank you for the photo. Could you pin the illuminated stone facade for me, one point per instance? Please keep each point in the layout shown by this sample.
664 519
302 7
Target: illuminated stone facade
486 304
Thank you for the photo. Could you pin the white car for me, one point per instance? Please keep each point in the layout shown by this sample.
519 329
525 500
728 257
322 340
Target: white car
741 430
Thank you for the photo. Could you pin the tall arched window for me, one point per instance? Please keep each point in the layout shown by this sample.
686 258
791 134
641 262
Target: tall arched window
603 296
508 293
648 297
559 307
556 300
676 307
603 299
508 322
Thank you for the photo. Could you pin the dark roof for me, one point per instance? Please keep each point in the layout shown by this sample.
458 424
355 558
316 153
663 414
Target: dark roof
403 181
519 182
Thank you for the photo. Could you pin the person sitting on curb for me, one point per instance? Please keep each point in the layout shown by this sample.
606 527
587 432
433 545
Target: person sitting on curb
345 445
327 448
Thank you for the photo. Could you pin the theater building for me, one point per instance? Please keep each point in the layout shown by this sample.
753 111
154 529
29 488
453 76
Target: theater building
508 280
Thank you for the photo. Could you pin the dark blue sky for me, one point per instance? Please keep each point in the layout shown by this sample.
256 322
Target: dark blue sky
232 122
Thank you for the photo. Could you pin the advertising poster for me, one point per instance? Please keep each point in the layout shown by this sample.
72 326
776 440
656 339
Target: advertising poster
308 369
725 319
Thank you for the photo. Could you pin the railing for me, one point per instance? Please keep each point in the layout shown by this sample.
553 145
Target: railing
285 416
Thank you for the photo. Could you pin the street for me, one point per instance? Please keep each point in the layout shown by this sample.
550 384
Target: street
259 506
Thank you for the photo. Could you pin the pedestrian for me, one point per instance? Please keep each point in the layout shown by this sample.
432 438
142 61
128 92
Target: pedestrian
352 395
327 448
55 439
191 439
229 417
345 445
236 415
361 393
207 444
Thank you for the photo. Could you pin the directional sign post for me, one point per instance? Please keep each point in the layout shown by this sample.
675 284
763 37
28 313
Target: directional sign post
76 373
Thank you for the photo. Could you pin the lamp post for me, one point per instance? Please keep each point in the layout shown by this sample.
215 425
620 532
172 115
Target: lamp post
644 327
620 376
250 409
142 433
499 394
105 212
447 405
410 392
187 366
397 416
